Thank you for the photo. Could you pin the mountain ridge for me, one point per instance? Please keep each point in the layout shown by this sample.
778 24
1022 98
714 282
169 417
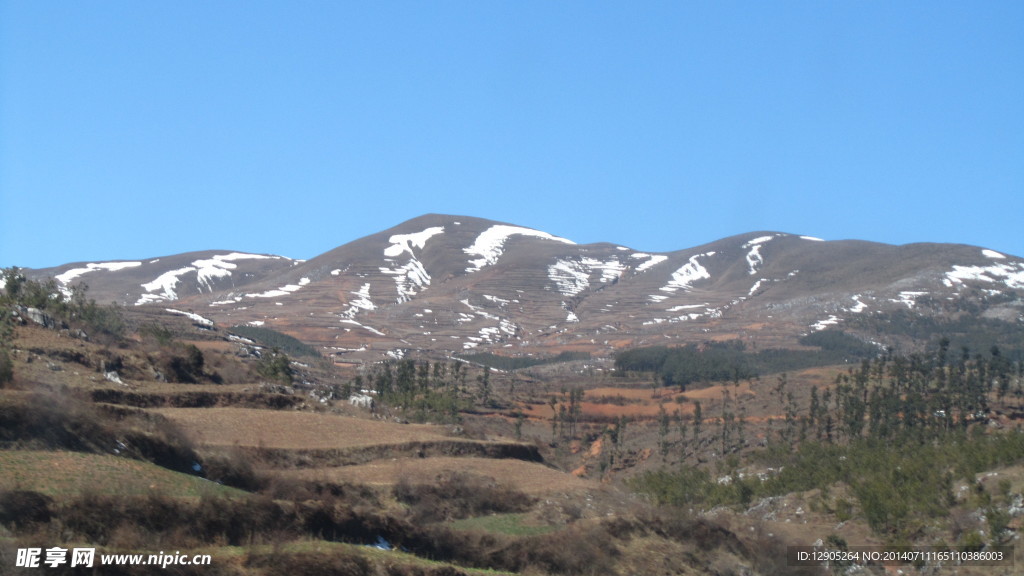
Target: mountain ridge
455 284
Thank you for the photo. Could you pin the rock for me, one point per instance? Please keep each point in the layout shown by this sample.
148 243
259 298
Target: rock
361 401
39 317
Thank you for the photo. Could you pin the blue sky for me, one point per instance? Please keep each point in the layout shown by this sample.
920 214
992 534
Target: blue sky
141 129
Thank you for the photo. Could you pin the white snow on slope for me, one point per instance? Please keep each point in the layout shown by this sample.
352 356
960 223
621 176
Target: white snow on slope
993 254
192 316
404 242
363 302
909 298
688 274
811 238
687 307
479 311
822 324
859 306
754 258
572 277
1012 275
164 287
490 244
221 265
486 334
410 277
282 291
354 323
653 260
70 275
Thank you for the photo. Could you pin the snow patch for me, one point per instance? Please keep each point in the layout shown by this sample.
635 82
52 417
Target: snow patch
811 238
993 254
754 258
282 291
490 244
822 324
686 307
164 287
354 323
70 275
691 272
221 265
410 279
361 302
404 242
1012 275
909 298
652 260
479 311
166 284
193 317
859 306
572 277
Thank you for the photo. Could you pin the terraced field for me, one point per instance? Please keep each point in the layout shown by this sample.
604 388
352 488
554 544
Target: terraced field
530 477
277 429
60 473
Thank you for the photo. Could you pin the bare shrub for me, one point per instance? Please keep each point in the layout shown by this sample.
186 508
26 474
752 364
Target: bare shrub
583 548
22 509
459 495
234 467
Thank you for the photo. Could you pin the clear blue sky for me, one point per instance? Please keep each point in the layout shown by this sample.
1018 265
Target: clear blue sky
140 129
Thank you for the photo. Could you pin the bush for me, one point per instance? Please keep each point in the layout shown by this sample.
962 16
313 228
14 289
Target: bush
459 495
22 509
275 366
6 367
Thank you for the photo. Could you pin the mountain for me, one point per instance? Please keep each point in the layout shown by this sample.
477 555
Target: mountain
457 284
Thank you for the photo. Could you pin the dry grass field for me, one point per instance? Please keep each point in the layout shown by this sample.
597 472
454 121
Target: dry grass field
291 430
529 477
69 473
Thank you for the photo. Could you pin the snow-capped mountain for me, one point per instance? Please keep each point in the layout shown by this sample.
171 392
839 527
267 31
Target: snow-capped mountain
454 284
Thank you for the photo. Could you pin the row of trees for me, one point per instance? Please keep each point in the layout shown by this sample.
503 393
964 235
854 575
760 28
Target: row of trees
731 361
424 391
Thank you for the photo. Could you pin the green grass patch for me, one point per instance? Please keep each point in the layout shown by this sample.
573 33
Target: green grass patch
510 524
508 363
61 474
273 339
